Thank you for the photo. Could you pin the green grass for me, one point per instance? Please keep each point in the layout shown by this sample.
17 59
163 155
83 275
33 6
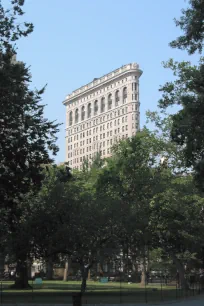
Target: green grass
112 292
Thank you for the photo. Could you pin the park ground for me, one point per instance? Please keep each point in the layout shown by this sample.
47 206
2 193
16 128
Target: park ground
59 292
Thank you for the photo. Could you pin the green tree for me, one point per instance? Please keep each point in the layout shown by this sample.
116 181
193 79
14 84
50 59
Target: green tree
177 220
187 128
187 92
71 220
192 24
26 138
129 181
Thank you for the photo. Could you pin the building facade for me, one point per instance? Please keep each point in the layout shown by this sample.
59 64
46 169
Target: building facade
101 113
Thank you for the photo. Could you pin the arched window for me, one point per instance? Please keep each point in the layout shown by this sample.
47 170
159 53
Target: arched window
82 113
95 107
70 118
117 98
124 94
76 115
110 101
102 105
89 110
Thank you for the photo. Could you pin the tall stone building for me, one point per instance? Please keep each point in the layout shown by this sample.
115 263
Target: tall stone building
101 113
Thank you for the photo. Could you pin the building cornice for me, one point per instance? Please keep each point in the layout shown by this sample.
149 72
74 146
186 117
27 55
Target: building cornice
96 83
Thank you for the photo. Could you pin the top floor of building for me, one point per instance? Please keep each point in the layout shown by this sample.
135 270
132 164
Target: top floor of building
103 93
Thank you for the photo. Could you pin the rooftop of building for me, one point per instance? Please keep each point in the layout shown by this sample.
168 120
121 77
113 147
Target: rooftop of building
98 81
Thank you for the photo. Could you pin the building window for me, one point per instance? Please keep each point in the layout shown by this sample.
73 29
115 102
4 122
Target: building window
76 115
89 110
95 107
110 101
70 118
117 98
83 113
124 94
102 105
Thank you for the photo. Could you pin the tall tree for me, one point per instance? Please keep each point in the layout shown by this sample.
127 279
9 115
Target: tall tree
26 138
177 220
187 91
129 180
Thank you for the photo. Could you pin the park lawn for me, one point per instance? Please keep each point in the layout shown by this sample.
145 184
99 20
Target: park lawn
91 286
61 292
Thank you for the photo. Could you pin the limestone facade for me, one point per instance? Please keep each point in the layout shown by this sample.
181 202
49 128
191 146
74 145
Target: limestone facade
101 113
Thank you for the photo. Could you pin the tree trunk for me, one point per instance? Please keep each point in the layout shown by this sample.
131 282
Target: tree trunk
67 269
143 281
182 281
89 274
84 275
143 277
125 263
49 269
21 281
2 260
101 266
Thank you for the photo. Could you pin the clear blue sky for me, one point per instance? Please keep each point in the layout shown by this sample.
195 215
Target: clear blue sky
77 40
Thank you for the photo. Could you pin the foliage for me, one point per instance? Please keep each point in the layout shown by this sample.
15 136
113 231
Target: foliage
187 92
192 24
26 136
27 139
